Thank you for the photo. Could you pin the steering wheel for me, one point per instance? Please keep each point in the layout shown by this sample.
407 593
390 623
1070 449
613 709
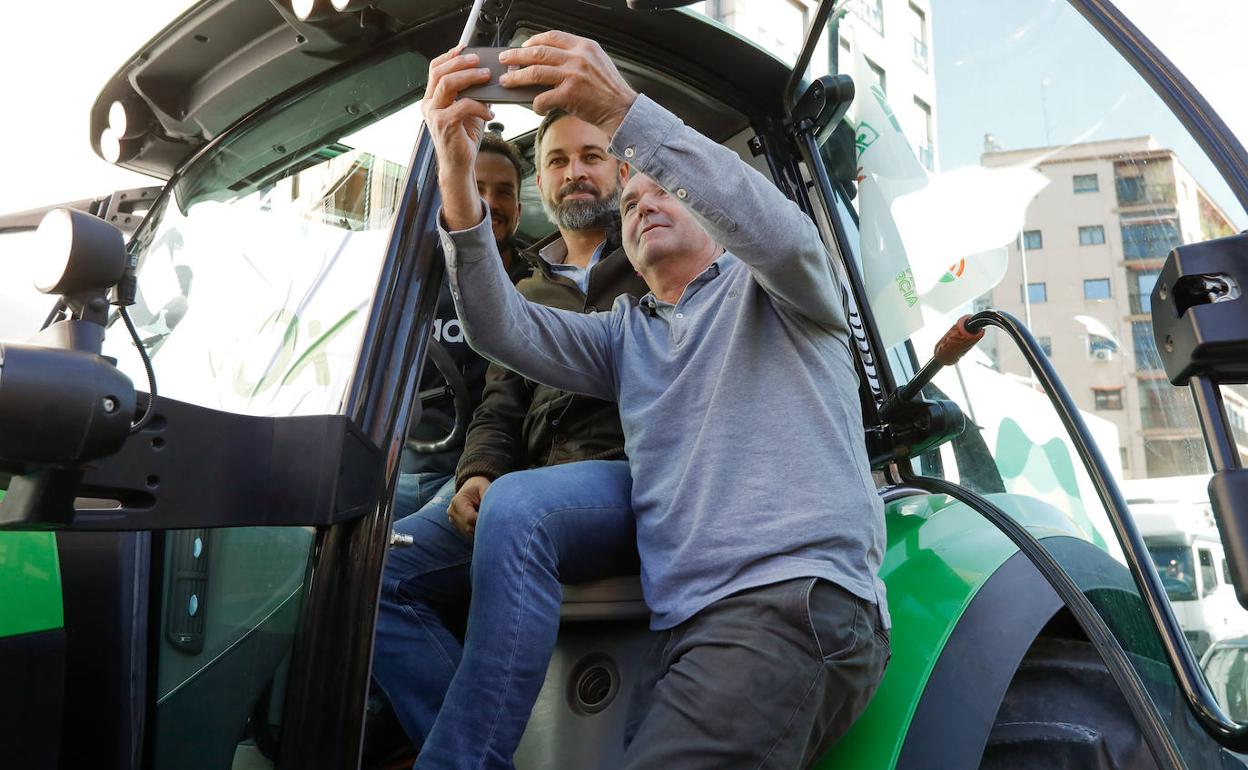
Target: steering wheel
458 389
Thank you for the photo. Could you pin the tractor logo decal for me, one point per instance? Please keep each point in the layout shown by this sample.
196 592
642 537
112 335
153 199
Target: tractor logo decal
954 272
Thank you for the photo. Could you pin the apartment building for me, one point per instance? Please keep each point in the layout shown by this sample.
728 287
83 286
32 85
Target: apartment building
892 36
1082 272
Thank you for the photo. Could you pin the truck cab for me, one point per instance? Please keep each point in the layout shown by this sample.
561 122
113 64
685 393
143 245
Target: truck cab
1187 551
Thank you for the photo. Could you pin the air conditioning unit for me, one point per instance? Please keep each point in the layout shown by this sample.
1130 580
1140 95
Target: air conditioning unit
1102 354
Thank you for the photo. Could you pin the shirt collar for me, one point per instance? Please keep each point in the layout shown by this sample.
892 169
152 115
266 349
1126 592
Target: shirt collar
712 271
556 253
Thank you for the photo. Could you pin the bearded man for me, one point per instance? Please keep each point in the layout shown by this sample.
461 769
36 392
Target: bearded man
430 670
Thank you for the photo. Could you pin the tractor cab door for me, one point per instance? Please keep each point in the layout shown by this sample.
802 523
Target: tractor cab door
265 267
1044 159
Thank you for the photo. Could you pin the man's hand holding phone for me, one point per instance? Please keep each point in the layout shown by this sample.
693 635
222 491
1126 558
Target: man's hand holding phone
554 69
456 125
578 74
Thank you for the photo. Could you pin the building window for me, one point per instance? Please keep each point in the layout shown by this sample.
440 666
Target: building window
1107 398
872 12
925 135
1032 240
1092 235
1208 573
1150 241
1135 191
1122 453
1037 293
1146 358
1164 406
918 28
1086 183
1096 288
1046 344
878 78
1142 283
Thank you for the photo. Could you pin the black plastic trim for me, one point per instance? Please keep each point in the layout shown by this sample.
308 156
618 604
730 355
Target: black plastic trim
312 470
1156 734
104 579
323 719
955 715
32 678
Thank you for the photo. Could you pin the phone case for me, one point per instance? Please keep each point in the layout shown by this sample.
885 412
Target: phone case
492 92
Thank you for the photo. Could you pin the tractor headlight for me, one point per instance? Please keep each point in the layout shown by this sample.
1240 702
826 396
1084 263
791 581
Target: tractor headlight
77 252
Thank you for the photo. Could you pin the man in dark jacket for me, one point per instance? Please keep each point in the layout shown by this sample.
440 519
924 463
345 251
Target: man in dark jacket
426 586
499 171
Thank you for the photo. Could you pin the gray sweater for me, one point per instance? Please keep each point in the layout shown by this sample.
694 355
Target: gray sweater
739 406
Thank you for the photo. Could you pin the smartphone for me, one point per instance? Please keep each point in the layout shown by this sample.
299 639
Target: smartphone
492 92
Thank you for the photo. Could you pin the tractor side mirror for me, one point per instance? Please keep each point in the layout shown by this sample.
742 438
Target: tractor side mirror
1200 323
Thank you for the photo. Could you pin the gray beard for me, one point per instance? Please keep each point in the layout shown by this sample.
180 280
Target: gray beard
583 215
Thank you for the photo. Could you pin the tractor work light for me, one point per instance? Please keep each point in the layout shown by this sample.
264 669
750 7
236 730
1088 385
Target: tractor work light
349 6
77 252
61 407
129 118
311 10
115 149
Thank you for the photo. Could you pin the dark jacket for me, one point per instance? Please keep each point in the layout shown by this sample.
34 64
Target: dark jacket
521 424
437 418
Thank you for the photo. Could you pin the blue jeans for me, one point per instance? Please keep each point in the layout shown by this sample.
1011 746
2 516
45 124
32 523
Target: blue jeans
468 703
414 491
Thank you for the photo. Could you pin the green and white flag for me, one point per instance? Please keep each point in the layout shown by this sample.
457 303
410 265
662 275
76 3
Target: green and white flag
930 243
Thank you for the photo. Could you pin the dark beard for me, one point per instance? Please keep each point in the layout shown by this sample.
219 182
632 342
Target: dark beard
583 215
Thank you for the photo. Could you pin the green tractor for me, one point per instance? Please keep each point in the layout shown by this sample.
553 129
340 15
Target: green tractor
189 579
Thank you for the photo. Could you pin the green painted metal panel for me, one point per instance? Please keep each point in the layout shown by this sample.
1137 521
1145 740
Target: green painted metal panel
939 555
30 583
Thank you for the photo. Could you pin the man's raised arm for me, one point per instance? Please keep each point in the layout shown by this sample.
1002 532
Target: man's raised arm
741 209
570 351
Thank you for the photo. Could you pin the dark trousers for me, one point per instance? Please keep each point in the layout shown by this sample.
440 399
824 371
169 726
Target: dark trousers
769 677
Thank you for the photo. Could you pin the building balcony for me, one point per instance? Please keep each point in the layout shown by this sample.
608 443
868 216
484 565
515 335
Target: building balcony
1133 191
1180 418
1141 303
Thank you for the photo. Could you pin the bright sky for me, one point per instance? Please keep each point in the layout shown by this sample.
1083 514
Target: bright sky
55 57
54 77
998 71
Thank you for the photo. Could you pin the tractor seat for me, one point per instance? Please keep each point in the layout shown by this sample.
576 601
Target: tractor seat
613 598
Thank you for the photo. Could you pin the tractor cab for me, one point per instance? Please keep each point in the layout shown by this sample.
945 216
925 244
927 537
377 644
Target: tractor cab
204 415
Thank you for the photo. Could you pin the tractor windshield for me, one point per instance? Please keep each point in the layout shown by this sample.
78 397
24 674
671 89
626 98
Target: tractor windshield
258 267
1006 156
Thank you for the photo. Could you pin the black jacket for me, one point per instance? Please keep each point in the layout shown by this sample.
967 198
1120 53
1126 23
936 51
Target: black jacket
522 424
438 417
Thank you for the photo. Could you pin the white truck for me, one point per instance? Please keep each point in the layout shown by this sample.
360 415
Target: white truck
1174 517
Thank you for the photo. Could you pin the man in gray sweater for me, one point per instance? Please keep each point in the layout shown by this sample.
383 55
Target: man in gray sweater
758 525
